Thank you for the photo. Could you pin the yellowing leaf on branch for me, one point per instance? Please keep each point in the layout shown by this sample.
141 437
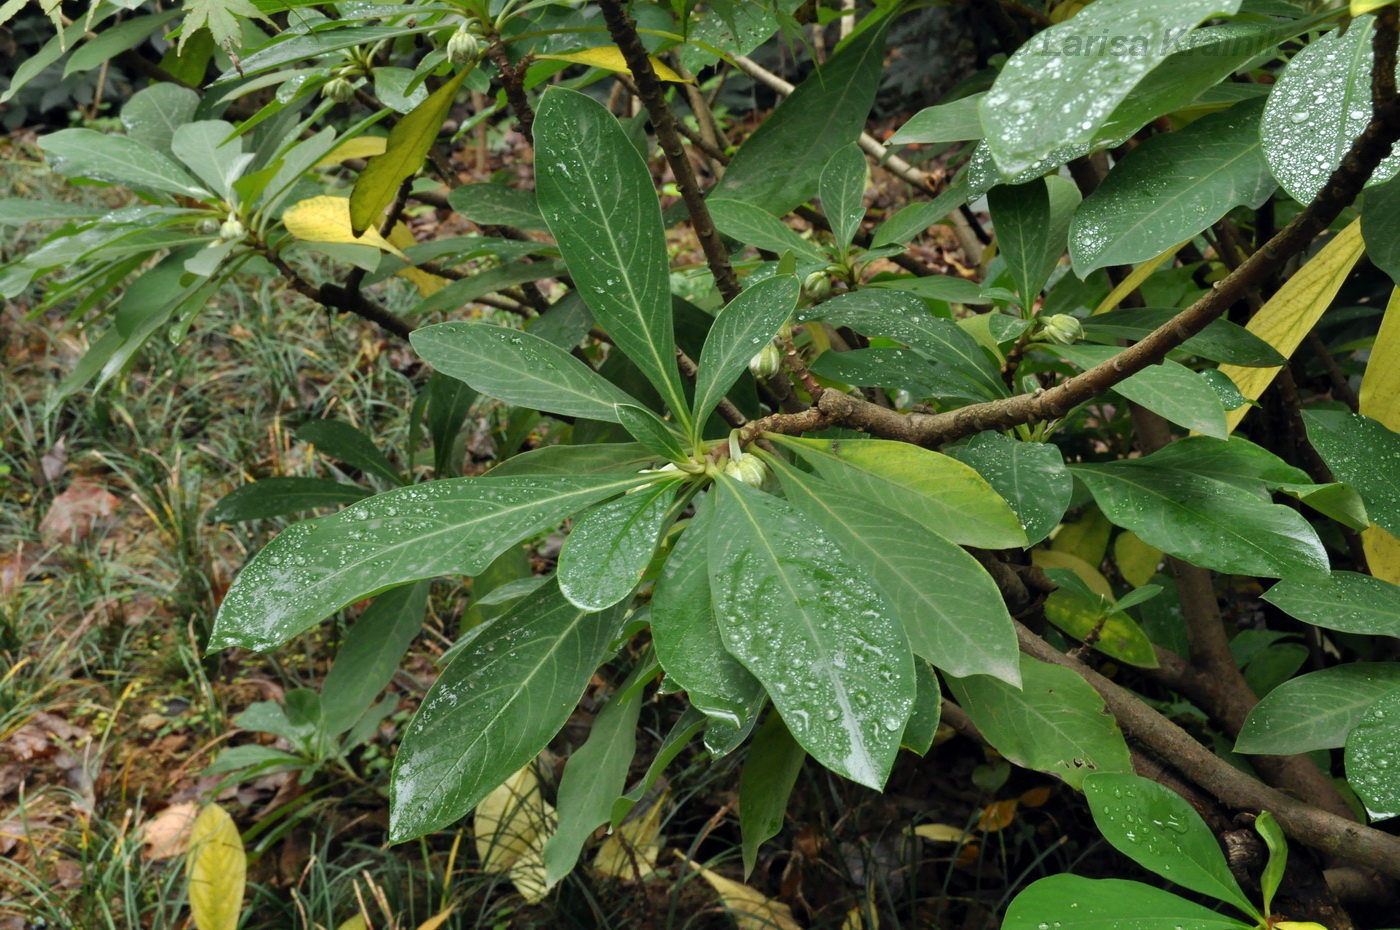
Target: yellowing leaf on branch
358 147
216 868
1380 400
1091 576
426 282
1291 313
1361 8
1137 561
327 219
609 58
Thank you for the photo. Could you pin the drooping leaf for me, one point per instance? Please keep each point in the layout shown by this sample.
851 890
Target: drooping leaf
936 490
771 769
278 496
949 606
922 728
339 440
371 654
455 526
1363 453
1077 903
1316 710
604 556
1347 601
519 368
1205 521
1160 831
409 143
1272 834
593 778
1059 88
741 329
842 188
1170 390
217 868
1055 722
1370 755
494 708
1170 188
686 632
1319 106
779 165
596 194
1031 476
802 618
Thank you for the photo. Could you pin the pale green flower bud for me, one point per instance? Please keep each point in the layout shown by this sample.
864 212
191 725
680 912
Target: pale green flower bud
339 89
767 363
208 226
817 287
1062 328
231 228
748 469
464 48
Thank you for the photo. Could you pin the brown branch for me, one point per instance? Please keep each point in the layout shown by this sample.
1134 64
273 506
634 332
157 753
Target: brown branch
336 298
513 80
663 121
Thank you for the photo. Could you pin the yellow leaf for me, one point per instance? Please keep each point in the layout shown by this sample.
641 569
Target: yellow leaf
358 147
1086 537
609 58
637 840
1301 924
511 821
327 219
1292 312
216 868
1360 8
1380 386
1137 561
940 832
997 815
1382 553
437 920
528 875
750 909
354 923
1134 280
427 284
1050 558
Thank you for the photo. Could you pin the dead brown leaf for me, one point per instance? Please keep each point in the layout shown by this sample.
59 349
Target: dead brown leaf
77 511
54 463
167 834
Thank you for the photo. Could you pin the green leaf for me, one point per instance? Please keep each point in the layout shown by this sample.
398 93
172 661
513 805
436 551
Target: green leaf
1021 215
449 403
206 149
950 608
371 654
933 489
279 496
456 526
220 17
1061 86
1267 827
906 318
685 729
1380 226
519 368
914 218
1316 710
802 617
1235 461
958 121
1055 722
1334 499
745 325
753 226
409 143
1347 601
842 189
1077 903
1031 476
922 727
610 546
1169 389
1170 188
1080 613
1369 756
594 777
1206 522
1156 828
597 196
653 432
497 205
1319 106
943 287
1363 453
1221 341
598 459
22 212
686 632
85 153
771 769
339 440
110 43
494 708
778 166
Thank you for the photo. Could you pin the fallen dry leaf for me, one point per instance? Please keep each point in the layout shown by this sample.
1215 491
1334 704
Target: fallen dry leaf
76 512
167 834
54 463
16 566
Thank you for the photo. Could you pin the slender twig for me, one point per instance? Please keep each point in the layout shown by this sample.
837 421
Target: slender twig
336 298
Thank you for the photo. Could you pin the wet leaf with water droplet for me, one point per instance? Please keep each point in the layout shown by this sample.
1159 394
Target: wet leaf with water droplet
1030 475
1373 770
1316 710
1364 454
756 314
1069 902
604 556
